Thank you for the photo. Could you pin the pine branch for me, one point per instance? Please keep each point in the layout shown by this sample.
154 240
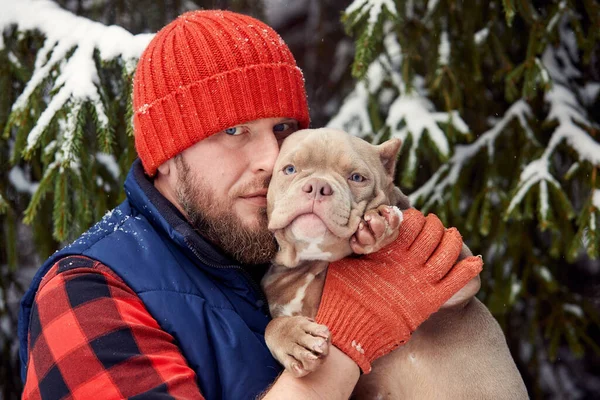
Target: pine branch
3 205
432 192
410 114
40 193
51 114
77 73
353 116
367 17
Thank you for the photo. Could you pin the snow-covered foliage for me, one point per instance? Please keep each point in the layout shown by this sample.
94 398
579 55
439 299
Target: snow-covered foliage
411 113
68 58
62 93
496 115
499 124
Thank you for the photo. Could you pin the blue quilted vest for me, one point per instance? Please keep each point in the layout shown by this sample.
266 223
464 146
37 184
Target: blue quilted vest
210 305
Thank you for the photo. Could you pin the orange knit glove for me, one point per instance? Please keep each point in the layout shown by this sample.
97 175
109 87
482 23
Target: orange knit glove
372 304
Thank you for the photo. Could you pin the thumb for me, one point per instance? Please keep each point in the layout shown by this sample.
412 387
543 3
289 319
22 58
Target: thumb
461 274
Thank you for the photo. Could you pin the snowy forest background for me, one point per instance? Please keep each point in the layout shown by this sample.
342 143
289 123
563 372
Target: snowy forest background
497 103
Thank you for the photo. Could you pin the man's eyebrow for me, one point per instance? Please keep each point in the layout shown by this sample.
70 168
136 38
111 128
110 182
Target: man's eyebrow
288 120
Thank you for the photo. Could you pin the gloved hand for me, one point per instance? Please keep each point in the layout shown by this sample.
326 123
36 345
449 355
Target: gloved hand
372 304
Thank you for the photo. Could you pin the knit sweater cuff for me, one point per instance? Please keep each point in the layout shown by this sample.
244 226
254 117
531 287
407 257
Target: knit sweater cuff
357 332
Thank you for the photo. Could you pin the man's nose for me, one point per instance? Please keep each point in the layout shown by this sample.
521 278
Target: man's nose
266 152
317 189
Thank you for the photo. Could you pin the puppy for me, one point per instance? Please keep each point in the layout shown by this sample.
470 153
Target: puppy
324 182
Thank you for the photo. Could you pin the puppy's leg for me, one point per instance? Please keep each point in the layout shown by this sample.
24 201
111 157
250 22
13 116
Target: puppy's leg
298 343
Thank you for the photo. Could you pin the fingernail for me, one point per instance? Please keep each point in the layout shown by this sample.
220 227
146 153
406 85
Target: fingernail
361 226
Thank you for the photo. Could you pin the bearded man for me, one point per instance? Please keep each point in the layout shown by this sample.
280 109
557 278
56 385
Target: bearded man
161 297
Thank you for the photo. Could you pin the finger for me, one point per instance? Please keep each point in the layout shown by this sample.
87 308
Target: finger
445 255
413 223
428 240
460 275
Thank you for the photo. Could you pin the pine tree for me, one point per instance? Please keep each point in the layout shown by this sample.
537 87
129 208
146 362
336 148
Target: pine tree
496 103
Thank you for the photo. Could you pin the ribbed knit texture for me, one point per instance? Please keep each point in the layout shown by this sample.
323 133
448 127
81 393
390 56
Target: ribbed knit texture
372 304
207 71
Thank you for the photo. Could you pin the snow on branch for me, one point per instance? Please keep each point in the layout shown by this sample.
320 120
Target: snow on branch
411 113
596 199
353 116
443 50
374 8
565 111
78 81
447 176
417 113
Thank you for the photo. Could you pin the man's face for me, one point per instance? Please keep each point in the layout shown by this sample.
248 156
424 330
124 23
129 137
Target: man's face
222 186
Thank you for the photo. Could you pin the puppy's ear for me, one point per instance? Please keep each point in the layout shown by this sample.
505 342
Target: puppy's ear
388 152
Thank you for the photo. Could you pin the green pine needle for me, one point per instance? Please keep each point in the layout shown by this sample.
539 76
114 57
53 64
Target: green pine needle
39 195
509 11
3 205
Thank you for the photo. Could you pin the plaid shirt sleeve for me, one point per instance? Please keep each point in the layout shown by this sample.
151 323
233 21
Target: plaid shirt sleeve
90 336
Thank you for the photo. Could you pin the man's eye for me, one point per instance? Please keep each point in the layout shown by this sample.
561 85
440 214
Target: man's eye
234 131
281 127
289 170
357 178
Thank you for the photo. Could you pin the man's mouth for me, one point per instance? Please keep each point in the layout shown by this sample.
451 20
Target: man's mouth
258 197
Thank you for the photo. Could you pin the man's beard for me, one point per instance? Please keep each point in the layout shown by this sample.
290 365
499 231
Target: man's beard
218 223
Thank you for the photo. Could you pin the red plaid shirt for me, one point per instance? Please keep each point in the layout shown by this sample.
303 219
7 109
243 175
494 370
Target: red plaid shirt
90 336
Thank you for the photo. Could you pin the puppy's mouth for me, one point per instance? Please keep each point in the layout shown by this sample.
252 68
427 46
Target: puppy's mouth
312 222
308 226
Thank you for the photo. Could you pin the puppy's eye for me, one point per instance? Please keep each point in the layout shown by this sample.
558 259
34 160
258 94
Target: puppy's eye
357 177
289 170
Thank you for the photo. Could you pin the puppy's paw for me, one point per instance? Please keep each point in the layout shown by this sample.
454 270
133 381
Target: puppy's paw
298 343
378 229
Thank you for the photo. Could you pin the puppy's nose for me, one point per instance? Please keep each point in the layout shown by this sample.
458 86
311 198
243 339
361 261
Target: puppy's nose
316 188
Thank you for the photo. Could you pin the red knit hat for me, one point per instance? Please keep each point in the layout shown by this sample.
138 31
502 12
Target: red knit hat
207 71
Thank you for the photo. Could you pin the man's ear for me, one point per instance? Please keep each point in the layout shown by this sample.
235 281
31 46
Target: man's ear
165 168
388 152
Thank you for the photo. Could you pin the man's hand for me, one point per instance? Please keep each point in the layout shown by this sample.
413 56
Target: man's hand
378 229
372 304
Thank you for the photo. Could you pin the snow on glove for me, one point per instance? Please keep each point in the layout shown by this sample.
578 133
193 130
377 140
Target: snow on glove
372 304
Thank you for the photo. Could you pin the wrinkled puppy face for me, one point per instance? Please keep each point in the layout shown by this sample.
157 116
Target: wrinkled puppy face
323 182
